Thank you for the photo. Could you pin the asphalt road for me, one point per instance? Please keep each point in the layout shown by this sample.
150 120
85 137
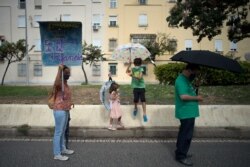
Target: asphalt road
124 153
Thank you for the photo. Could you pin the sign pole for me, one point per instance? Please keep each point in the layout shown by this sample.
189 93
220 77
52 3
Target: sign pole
26 45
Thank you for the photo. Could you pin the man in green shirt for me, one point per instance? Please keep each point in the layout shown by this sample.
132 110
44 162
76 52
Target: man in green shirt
138 86
186 110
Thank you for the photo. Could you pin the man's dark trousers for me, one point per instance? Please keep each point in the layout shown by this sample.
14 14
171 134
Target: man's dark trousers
184 138
67 133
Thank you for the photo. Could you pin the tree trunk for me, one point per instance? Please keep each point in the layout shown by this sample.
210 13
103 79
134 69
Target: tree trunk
85 75
5 72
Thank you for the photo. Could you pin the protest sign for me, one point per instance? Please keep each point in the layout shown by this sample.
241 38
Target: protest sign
61 43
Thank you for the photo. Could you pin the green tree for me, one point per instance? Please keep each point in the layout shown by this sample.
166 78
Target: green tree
160 45
206 17
91 54
12 52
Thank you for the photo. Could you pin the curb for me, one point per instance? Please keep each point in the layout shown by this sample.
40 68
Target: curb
139 132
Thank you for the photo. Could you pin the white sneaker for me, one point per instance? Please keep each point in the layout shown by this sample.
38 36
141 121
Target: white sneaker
120 125
61 157
110 127
68 152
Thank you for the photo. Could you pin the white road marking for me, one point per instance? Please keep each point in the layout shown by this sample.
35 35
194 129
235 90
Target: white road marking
127 140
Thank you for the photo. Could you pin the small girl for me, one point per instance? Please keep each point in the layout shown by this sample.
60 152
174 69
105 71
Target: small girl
115 112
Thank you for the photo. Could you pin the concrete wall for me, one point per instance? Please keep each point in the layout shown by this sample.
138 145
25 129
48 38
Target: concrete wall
95 116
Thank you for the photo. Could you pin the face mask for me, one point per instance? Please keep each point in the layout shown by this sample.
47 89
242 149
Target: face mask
66 76
192 76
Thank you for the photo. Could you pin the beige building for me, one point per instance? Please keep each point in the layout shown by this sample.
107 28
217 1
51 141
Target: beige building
12 28
106 23
133 20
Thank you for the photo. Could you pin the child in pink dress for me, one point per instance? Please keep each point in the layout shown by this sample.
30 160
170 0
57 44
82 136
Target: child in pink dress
115 112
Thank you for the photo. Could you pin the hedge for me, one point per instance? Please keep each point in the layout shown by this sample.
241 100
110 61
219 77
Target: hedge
167 73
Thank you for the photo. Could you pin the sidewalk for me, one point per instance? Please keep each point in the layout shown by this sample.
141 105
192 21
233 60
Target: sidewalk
90 121
166 133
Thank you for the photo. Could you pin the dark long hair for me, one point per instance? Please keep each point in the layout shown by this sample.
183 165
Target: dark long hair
58 80
113 87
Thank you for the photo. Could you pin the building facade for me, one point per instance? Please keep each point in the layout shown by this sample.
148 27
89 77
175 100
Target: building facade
12 28
106 23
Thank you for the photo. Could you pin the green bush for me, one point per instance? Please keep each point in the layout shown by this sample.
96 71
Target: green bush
167 73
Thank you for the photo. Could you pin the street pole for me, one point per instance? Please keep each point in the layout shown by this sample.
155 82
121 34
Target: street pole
26 44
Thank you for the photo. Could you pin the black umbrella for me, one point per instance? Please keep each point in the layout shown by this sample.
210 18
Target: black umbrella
207 58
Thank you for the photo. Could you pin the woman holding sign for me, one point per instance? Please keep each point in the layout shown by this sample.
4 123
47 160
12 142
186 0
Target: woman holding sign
61 109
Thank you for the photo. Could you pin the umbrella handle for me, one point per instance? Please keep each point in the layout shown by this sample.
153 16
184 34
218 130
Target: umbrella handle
110 78
62 85
197 91
130 53
152 61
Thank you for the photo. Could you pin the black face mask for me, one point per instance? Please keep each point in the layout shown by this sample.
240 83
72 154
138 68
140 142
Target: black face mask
66 77
192 77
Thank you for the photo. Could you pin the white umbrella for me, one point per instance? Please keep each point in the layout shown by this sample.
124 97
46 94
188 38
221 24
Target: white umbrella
130 51
104 94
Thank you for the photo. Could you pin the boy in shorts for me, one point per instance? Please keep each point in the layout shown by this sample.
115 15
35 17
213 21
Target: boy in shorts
138 86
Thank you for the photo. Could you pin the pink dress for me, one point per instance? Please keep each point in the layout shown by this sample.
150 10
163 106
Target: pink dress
115 105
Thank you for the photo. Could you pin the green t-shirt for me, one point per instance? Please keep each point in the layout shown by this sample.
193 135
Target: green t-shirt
137 83
185 109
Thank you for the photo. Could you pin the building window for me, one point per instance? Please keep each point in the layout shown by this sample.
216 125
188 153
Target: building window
96 42
112 21
38 70
142 2
218 45
2 39
37 18
172 1
233 46
37 44
38 4
142 38
96 22
21 70
22 4
96 1
188 44
21 21
113 4
96 19
66 17
173 43
113 68
96 70
143 20
112 44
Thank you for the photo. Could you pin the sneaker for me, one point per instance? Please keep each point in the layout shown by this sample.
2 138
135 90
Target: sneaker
120 125
185 161
68 152
110 127
135 112
61 157
145 118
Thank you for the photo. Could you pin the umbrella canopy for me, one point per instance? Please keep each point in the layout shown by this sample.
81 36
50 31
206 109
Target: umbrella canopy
130 51
207 58
104 94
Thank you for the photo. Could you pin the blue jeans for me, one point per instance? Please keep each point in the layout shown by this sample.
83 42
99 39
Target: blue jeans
184 138
61 118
